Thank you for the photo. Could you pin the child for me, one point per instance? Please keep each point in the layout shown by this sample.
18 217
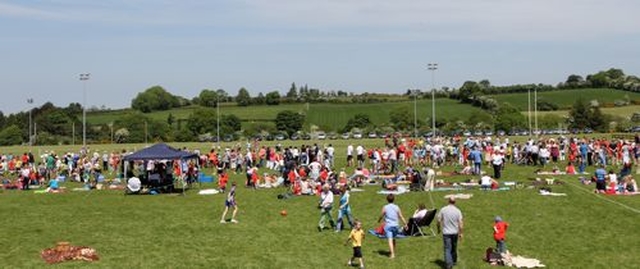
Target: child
499 232
356 236
223 179
230 202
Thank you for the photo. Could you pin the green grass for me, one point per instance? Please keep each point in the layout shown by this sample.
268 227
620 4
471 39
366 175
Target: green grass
566 98
333 116
168 231
624 111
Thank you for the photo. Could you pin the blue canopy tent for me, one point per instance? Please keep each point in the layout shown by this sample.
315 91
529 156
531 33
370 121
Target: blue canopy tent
158 153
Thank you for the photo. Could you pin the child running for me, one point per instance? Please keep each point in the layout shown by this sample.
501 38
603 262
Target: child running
230 202
356 236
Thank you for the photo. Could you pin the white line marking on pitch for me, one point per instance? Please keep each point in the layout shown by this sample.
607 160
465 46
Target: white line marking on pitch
601 196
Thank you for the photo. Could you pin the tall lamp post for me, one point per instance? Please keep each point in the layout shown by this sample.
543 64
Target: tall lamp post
433 67
218 118
415 113
84 77
30 102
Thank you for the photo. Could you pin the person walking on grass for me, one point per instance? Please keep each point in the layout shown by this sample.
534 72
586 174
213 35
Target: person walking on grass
230 202
450 224
391 214
356 237
345 209
325 205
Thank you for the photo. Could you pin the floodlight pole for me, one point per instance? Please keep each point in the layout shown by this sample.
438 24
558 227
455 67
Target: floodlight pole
218 119
433 67
30 102
84 77
415 113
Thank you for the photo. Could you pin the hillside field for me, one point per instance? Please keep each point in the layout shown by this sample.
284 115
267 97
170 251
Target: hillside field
566 98
322 114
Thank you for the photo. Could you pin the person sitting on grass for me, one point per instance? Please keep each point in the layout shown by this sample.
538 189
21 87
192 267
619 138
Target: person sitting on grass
488 183
570 170
629 185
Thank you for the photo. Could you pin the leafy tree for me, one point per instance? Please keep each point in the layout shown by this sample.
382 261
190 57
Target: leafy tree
468 91
480 121
543 105
579 115
171 119
360 121
293 92
401 119
507 117
273 98
138 124
243 98
3 120
597 120
10 136
598 80
153 99
230 124
575 80
289 121
208 98
260 99
202 121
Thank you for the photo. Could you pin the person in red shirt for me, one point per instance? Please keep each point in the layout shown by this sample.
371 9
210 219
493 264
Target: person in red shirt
223 179
499 234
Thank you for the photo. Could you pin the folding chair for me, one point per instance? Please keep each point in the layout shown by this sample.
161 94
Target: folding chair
424 223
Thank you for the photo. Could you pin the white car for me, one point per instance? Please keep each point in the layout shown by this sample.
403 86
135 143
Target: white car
345 136
322 136
357 135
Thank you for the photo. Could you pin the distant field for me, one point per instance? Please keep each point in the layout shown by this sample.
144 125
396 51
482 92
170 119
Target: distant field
331 115
625 111
566 98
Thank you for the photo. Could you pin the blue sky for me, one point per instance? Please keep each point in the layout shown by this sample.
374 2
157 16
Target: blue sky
265 45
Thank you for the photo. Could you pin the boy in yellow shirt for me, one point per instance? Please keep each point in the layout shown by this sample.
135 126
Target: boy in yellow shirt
356 236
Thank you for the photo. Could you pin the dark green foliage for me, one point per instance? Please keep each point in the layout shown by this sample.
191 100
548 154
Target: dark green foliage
10 136
273 98
137 124
289 121
207 98
243 98
201 121
401 119
360 121
579 115
154 99
508 117
546 106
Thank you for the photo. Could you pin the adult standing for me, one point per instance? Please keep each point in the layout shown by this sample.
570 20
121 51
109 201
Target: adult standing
345 208
392 215
326 203
450 223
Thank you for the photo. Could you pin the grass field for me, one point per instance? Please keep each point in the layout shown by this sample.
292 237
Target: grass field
581 230
624 111
566 98
317 114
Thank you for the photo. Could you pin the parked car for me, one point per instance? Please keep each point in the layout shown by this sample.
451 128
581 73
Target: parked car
466 133
228 138
295 136
280 136
345 136
357 135
501 132
321 135
332 136
306 136
372 135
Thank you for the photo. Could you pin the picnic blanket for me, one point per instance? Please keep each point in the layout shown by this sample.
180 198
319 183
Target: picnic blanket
208 192
522 262
548 193
396 192
459 196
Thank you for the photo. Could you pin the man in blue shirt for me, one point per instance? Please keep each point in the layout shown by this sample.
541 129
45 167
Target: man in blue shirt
600 177
476 156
